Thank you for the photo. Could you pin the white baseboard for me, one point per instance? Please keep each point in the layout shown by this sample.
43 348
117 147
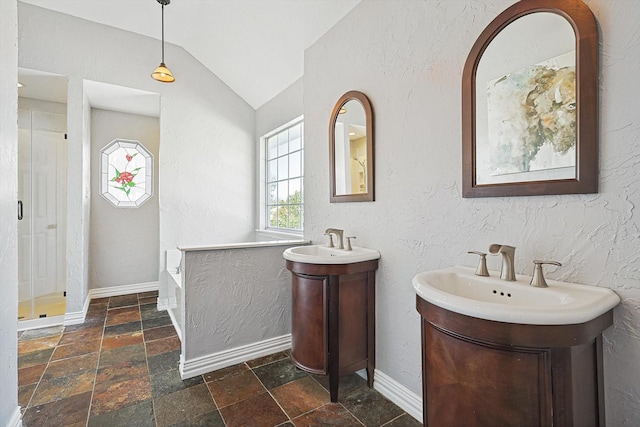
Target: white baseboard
212 362
167 303
16 418
114 291
74 318
77 317
44 322
410 402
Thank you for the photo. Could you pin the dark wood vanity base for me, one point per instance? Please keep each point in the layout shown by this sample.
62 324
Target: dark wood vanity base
333 319
480 372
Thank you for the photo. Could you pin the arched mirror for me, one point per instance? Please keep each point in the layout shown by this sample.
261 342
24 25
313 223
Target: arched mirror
351 149
530 103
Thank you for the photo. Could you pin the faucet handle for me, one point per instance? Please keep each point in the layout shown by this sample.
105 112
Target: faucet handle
330 244
482 264
349 248
538 281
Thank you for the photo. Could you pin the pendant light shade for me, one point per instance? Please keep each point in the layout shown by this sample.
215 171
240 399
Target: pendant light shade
162 73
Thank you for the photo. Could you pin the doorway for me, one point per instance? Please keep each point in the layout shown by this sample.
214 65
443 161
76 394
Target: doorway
42 154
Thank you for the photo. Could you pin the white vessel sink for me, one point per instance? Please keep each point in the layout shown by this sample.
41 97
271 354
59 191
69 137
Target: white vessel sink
458 289
318 254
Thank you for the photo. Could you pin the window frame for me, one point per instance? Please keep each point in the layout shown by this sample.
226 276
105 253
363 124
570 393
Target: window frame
264 205
106 178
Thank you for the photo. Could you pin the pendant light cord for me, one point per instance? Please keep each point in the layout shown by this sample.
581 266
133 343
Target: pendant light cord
163 33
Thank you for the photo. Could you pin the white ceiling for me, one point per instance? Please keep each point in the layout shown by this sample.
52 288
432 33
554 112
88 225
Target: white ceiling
255 46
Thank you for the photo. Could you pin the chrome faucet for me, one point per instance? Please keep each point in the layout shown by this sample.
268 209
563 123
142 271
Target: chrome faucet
508 253
338 233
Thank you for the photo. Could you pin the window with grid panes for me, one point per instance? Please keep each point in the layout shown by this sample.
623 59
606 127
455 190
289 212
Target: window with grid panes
284 169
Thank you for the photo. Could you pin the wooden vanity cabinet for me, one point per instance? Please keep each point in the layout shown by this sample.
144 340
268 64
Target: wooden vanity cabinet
479 372
333 319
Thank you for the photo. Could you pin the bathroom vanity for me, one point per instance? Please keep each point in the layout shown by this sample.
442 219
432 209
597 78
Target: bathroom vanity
503 353
481 372
333 318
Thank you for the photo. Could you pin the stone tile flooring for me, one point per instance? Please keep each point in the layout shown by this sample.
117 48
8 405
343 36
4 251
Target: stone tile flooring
120 368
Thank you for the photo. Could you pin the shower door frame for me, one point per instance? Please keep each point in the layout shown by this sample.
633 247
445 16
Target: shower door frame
44 272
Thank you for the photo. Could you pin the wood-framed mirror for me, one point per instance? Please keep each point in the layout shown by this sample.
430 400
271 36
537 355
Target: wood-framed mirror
351 159
530 103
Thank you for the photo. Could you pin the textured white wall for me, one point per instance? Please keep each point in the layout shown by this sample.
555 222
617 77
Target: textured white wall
407 56
282 109
9 412
234 297
206 187
123 242
78 195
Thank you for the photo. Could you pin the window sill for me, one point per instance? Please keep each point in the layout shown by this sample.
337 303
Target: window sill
279 235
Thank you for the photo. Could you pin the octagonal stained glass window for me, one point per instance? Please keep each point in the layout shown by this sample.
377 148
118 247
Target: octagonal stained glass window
126 173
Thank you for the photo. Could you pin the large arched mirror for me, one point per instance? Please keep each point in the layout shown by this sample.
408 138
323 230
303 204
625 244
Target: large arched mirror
530 102
351 149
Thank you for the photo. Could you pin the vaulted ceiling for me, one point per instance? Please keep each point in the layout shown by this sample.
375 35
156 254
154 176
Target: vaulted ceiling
255 46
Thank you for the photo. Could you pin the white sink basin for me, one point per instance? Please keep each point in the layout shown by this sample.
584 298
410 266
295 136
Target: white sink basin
458 289
317 254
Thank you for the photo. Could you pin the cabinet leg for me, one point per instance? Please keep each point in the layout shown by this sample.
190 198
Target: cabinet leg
371 327
333 388
334 337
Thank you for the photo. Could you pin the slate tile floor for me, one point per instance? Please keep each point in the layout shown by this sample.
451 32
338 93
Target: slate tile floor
120 368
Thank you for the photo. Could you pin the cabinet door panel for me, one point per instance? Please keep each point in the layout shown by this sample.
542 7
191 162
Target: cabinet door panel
475 385
353 319
309 323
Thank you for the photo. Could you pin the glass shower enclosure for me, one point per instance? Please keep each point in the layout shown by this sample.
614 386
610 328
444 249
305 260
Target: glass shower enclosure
42 159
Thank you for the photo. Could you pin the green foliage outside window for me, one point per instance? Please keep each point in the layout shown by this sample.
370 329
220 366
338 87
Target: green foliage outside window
284 171
287 214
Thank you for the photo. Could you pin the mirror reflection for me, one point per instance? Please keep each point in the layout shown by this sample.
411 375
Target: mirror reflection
530 103
526 103
351 149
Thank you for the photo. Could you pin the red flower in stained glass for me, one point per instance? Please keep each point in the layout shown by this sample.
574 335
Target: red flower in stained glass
125 177
129 157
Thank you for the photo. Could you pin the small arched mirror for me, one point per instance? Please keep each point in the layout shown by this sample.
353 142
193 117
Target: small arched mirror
530 102
351 149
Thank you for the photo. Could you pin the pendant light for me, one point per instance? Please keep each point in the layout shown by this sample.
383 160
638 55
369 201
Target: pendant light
162 73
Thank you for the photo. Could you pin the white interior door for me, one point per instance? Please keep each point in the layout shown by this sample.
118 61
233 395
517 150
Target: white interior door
44 145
